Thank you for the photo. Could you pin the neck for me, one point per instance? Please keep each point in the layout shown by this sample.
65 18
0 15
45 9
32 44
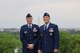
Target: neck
47 22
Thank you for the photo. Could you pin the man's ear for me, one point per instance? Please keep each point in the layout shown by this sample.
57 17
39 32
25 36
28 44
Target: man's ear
49 17
26 18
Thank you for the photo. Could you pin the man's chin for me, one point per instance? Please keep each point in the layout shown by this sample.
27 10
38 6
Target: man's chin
46 22
29 23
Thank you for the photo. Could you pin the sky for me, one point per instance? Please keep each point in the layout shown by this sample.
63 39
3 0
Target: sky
64 13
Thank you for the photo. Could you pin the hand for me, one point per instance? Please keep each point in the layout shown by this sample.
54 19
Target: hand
39 51
30 46
55 50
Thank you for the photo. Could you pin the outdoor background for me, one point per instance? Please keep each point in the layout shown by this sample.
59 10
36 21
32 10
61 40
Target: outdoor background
64 13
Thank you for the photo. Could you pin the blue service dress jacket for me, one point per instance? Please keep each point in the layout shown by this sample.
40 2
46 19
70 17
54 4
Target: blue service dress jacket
49 39
29 36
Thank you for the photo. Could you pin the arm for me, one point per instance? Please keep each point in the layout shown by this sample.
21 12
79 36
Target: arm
39 44
22 37
56 37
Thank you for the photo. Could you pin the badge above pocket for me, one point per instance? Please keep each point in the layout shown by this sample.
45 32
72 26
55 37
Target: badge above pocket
51 30
34 30
25 32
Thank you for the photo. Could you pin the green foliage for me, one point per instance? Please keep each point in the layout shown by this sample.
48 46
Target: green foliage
69 43
8 42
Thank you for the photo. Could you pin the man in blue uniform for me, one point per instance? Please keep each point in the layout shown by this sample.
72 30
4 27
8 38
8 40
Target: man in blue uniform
29 36
49 41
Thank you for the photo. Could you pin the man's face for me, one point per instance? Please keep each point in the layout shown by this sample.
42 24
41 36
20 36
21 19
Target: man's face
29 20
46 19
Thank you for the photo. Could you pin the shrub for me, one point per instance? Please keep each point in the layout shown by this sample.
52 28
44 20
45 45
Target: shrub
69 43
8 43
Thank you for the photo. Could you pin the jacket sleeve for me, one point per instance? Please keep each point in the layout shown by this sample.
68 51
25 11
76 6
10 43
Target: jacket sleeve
56 37
22 37
37 38
40 42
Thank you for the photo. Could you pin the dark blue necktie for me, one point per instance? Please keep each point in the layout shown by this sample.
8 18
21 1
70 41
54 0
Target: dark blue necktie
45 27
30 29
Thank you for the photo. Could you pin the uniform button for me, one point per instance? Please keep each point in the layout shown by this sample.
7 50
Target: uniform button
41 34
44 38
30 38
44 41
34 34
44 35
30 34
